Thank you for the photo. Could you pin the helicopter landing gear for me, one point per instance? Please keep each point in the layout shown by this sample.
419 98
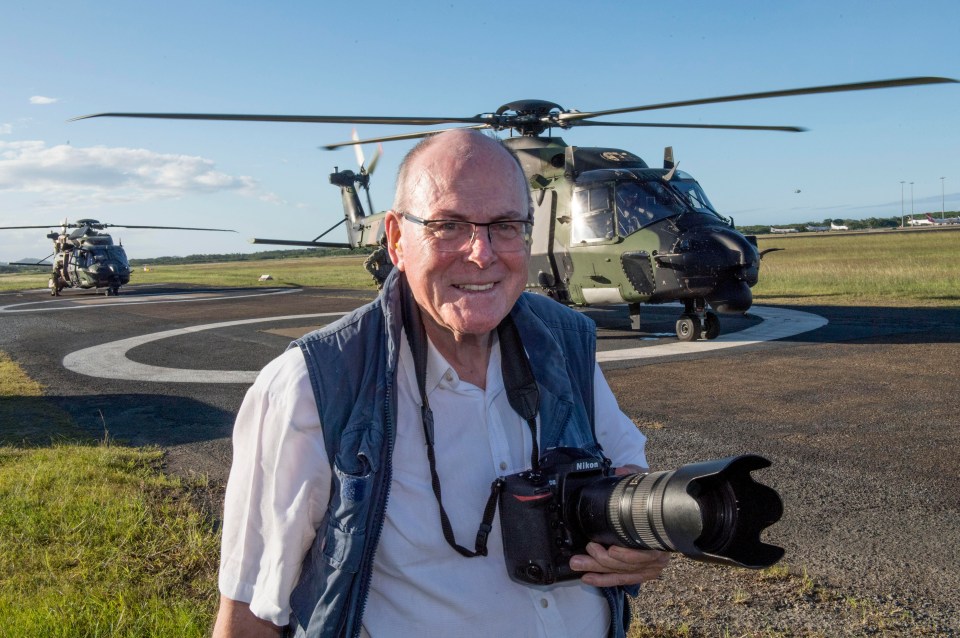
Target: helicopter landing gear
696 321
112 290
711 325
688 328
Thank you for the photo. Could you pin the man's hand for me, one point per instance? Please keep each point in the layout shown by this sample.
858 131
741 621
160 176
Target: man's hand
613 566
235 620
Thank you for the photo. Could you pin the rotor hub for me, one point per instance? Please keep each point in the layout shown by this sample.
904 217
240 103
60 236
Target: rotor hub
529 117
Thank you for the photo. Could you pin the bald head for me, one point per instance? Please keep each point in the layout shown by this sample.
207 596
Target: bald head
434 164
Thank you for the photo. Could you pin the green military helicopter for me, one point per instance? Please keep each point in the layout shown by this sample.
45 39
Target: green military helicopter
87 258
608 228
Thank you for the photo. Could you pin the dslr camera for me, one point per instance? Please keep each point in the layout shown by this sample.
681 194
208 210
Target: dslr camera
712 511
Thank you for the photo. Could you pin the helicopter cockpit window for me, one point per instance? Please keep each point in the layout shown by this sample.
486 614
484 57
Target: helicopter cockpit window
695 196
117 254
641 203
592 215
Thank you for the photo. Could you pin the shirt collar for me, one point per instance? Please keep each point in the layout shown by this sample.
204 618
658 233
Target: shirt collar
440 374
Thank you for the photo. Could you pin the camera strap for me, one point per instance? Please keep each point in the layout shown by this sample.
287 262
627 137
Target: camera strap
522 394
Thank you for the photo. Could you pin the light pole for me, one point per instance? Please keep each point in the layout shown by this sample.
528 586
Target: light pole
911 200
941 197
902 224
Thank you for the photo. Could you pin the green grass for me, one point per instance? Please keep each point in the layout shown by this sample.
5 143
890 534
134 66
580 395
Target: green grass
872 269
95 540
887 268
330 272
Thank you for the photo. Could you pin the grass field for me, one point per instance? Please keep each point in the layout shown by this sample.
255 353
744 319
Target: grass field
872 269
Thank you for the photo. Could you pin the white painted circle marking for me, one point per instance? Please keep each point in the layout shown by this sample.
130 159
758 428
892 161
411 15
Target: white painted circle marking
778 323
109 360
94 302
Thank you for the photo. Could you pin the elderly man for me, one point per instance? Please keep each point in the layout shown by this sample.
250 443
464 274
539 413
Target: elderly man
364 456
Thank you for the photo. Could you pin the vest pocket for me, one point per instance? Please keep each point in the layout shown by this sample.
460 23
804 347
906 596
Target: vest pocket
343 549
349 512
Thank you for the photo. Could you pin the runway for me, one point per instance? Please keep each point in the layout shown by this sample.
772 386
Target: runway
856 407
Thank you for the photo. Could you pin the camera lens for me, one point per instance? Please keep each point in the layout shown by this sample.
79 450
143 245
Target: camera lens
711 511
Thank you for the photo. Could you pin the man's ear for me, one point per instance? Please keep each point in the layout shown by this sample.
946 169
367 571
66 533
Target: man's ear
392 224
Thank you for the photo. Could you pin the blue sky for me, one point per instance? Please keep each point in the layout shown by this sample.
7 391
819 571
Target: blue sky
64 59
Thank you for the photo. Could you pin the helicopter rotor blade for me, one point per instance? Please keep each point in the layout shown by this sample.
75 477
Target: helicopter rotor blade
296 242
403 136
376 158
833 88
314 119
19 227
42 262
735 127
220 230
358 149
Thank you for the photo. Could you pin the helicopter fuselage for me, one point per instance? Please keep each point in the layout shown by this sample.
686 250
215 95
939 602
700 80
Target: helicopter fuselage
90 261
608 229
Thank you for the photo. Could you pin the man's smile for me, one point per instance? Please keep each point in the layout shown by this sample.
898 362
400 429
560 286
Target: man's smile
474 287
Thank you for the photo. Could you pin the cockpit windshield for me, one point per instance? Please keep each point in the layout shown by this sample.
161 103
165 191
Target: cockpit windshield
690 189
643 202
639 204
118 254
618 207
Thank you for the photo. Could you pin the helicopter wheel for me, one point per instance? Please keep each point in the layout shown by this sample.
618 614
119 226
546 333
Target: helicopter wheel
688 328
711 326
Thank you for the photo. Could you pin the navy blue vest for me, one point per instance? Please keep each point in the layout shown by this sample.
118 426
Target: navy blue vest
352 365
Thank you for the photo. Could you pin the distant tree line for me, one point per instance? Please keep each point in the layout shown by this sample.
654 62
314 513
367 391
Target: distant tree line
267 254
297 253
874 223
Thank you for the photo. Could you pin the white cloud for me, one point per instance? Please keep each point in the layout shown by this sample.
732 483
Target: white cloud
6 129
96 175
40 99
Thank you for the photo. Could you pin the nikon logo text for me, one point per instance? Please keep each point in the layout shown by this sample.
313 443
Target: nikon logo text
587 465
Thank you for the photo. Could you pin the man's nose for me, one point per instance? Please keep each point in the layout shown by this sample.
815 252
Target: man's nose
481 244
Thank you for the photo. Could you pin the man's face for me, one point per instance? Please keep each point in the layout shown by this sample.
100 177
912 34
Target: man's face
467 292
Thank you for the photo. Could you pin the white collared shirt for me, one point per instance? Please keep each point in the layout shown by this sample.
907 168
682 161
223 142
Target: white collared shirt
276 497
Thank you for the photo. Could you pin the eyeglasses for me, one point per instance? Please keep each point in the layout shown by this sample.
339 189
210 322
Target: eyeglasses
453 236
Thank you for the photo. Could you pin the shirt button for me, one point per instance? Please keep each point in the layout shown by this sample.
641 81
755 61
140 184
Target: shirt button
448 377
503 465
544 603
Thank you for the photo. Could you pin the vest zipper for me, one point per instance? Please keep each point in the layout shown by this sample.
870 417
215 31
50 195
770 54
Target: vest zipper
384 495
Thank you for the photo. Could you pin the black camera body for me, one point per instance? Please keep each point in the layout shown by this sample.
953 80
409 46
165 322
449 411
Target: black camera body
537 541
711 511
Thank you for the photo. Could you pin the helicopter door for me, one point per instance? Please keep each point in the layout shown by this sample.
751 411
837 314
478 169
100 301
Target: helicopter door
542 270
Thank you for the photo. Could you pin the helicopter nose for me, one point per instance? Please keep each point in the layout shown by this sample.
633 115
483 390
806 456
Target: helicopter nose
715 253
715 263
742 256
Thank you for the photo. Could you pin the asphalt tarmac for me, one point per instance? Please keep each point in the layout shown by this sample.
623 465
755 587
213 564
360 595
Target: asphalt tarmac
856 408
